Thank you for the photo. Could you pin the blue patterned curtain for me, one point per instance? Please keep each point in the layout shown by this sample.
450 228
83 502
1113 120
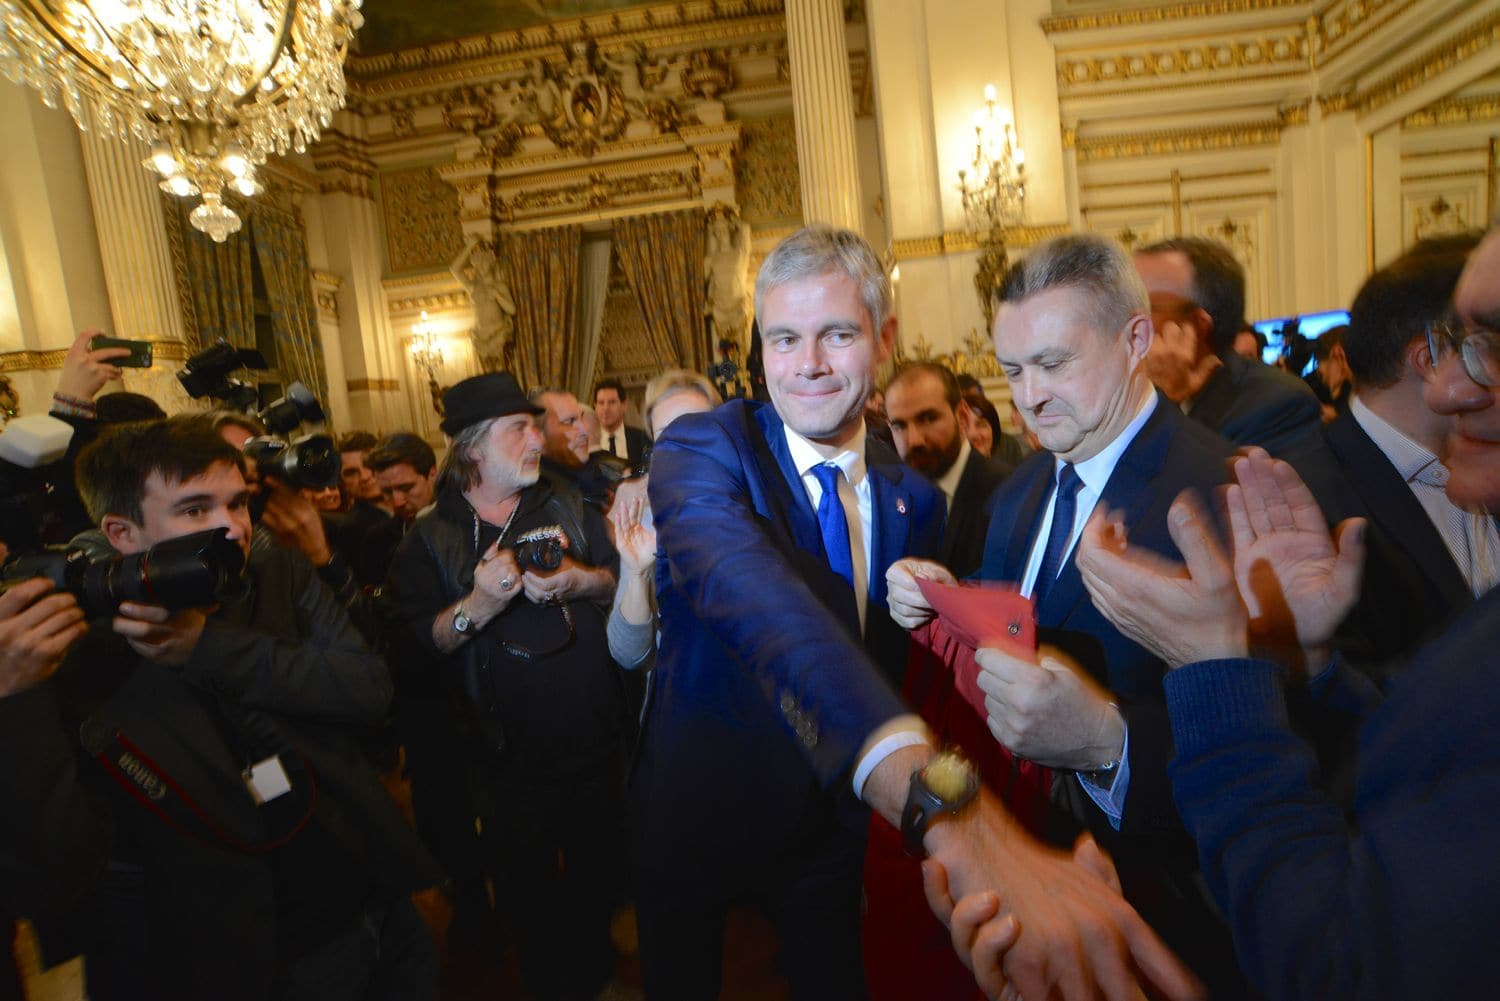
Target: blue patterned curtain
219 283
282 251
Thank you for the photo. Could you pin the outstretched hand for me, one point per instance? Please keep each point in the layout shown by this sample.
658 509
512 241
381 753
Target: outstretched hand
1296 583
1183 614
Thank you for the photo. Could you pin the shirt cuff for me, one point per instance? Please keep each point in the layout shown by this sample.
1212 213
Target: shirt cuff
884 748
1111 799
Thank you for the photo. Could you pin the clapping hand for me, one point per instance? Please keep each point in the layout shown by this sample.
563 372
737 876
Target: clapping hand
635 532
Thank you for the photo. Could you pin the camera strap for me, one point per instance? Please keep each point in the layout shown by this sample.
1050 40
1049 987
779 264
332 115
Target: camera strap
154 788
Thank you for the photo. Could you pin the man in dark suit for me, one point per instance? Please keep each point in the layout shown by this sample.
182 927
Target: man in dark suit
773 711
1072 333
927 415
1197 292
615 436
1394 898
1425 557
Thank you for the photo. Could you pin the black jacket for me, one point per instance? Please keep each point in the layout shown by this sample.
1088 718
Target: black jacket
188 910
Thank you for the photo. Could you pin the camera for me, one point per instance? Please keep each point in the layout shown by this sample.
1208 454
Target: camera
207 374
185 572
541 548
308 461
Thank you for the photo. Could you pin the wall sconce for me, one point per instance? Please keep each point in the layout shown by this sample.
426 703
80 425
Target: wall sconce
993 190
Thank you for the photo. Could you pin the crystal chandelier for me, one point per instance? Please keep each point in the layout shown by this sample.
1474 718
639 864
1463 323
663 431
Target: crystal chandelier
213 86
993 189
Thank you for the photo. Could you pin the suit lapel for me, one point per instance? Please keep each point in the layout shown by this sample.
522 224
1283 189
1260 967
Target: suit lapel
890 524
1023 526
1129 492
1394 507
801 520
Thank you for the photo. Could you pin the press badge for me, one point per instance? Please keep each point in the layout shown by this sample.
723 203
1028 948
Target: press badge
267 780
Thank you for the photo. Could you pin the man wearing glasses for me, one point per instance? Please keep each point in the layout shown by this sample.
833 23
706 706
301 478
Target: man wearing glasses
1428 557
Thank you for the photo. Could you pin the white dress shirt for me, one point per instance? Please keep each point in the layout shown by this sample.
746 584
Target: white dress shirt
948 482
1093 475
1470 536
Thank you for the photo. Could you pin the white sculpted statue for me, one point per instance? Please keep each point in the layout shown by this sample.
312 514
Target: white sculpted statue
726 270
479 271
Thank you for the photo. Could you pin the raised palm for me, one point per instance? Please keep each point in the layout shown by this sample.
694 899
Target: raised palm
635 533
1296 584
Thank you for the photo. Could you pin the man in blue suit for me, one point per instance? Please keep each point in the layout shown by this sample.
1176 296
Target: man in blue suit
774 714
1072 334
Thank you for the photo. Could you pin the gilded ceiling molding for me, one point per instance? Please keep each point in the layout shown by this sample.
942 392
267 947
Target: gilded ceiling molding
1295 114
326 278
1236 57
488 56
1345 22
1431 63
1169 141
407 281
32 361
373 385
453 299
1132 16
343 164
1455 111
290 175
961 241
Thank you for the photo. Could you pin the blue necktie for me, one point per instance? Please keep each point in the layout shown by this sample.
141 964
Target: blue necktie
1064 510
832 521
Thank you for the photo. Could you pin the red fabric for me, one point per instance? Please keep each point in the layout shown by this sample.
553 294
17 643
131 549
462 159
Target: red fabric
908 953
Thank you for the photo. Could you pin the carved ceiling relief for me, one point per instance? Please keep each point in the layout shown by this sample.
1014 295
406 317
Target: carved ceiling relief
422 228
588 96
768 186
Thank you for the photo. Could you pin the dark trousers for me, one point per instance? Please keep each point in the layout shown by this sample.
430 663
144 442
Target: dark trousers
814 901
383 955
558 851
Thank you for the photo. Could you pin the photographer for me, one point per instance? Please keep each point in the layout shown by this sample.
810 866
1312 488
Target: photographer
499 594
254 853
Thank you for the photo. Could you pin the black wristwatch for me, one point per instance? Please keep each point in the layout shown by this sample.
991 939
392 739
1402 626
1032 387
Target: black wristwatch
462 624
943 788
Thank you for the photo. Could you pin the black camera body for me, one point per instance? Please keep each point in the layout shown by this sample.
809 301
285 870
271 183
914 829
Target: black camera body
309 461
207 374
185 572
541 548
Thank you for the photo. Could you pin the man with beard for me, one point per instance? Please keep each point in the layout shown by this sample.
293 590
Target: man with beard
500 593
927 415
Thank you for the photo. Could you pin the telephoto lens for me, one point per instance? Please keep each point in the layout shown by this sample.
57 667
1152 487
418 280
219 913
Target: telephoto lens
185 572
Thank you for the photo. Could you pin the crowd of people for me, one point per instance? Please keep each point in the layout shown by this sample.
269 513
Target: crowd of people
1178 691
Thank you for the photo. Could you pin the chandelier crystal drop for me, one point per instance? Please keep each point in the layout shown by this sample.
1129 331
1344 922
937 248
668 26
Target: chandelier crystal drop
213 87
993 192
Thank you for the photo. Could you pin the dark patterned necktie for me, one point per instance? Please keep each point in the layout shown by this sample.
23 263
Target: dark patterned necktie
1064 510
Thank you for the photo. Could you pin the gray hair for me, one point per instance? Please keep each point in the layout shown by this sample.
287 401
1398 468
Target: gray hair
819 250
1095 265
672 382
460 467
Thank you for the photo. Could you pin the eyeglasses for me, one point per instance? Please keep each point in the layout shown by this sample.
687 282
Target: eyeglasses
1478 349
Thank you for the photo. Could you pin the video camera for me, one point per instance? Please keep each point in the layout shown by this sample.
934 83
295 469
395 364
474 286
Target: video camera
307 461
185 572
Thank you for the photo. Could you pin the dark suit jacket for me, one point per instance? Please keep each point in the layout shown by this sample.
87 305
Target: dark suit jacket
637 443
765 690
1411 587
1152 851
969 516
1251 403
1169 454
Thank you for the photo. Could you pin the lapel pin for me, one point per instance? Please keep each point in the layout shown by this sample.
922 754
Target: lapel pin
900 505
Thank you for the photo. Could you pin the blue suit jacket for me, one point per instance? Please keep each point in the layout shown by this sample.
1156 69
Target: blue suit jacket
1169 454
764 688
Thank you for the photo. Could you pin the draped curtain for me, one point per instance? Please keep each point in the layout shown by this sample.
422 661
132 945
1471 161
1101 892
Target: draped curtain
543 267
662 257
593 290
282 251
219 283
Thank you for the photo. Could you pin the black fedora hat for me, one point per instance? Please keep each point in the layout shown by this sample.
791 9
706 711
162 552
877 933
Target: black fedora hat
480 397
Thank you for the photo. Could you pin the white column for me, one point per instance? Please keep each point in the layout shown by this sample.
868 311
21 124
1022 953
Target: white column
827 160
132 239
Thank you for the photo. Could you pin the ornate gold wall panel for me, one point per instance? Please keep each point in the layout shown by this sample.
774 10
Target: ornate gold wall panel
1175 141
422 230
1182 63
767 183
